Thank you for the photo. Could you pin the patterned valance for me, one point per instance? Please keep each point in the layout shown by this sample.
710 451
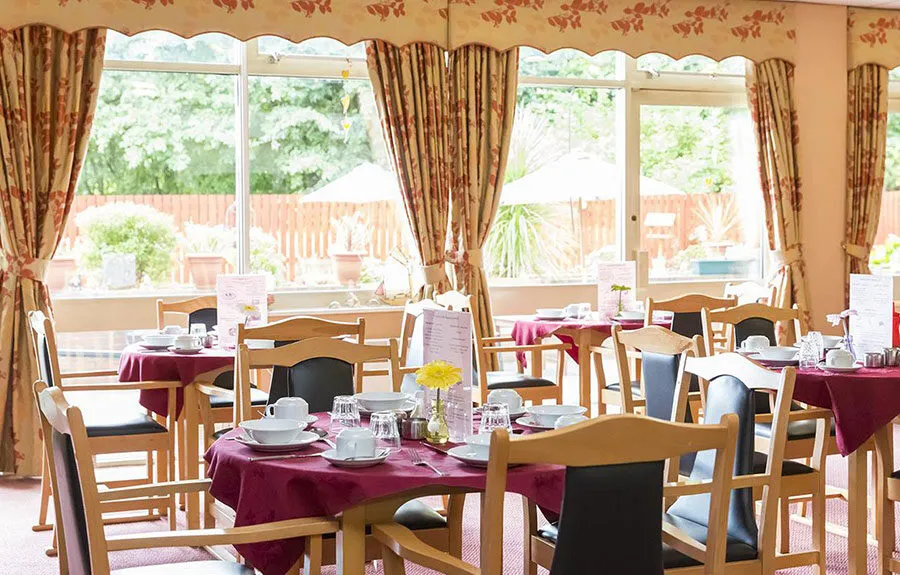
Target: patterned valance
874 37
755 29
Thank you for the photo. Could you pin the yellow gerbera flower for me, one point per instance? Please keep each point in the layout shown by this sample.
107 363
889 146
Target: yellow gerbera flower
438 375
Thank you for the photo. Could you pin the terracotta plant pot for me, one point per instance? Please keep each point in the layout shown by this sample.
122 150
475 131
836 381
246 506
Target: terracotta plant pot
347 267
61 270
204 269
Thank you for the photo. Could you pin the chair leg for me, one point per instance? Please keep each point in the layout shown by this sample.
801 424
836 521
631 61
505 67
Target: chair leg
312 556
42 524
393 563
818 526
530 515
601 380
784 525
454 506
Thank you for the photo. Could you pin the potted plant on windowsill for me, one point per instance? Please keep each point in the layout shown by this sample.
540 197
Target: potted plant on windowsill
719 218
205 250
351 244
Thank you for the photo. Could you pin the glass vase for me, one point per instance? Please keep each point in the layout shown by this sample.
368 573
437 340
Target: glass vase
438 432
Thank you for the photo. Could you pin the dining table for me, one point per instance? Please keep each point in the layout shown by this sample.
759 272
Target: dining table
282 489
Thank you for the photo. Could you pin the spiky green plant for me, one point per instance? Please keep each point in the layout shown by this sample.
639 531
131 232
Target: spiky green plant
525 241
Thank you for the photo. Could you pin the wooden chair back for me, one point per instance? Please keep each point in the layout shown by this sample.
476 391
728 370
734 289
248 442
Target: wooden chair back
750 292
633 452
745 320
82 543
295 354
203 307
43 346
730 382
412 313
686 311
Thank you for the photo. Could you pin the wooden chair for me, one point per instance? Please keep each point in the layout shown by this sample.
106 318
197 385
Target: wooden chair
613 496
732 384
532 387
108 430
742 321
686 311
200 309
887 492
83 545
322 368
411 350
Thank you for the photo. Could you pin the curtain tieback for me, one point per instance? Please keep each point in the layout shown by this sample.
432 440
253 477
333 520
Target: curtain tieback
785 258
856 251
24 267
434 273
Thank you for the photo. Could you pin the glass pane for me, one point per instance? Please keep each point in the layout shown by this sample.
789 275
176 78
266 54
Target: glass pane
313 47
885 256
701 205
567 63
157 186
326 206
692 64
160 46
558 209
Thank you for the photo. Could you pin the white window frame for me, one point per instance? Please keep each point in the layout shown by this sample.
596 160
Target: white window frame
635 88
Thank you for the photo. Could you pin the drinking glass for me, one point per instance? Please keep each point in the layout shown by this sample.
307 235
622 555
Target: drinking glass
494 416
809 353
344 413
384 427
198 329
816 338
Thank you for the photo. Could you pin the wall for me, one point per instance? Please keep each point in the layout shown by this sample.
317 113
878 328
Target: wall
821 90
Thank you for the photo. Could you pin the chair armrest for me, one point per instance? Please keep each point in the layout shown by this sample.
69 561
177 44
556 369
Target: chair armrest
404 543
410 369
86 374
799 415
497 339
687 487
122 386
523 348
231 536
683 543
212 390
156 489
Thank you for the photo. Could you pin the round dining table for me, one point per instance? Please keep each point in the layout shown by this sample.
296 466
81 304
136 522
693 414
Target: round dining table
282 489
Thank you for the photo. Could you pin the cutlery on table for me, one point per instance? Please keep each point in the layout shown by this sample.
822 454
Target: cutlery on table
289 456
416 459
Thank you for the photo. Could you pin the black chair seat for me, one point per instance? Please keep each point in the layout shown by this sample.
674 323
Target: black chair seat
635 388
257 397
193 567
115 423
734 550
415 516
512 380
896 474
797 430
788 466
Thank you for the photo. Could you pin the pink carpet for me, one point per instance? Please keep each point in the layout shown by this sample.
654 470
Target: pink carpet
24 550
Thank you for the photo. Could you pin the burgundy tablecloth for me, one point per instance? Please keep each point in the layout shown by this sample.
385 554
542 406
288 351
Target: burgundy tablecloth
862 402
139 364
278 490
526 332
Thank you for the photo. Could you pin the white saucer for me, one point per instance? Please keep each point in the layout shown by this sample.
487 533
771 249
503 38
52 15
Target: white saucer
468 455
331 457
299 442
407 407
530 423
185 350
153 347
549 318
855 368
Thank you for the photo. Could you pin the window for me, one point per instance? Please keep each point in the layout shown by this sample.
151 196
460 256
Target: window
885 256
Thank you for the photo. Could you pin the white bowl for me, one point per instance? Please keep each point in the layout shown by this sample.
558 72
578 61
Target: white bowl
778 353
272 430
567 420
546 415
551 312
831 341
480 444
379 400
158 339
630 315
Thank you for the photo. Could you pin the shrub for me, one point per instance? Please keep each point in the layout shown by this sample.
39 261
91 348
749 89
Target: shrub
201 239
128 229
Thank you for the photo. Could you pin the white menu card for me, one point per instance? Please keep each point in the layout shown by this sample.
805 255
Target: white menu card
447 335
240 299
608 275
872 297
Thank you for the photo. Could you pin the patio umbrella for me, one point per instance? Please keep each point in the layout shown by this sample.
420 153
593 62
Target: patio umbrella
363 184
576 177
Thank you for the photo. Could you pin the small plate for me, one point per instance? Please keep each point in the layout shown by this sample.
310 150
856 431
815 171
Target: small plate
147 346
185 350
855 368
299 442
331 457
777 362
468 456
549 318
528 422
406 407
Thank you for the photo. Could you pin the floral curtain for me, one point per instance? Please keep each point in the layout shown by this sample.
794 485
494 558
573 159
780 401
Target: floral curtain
770 86
483 84
411 93
48 93
867 110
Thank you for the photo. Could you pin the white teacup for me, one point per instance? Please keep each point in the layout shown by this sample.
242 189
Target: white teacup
294 408
186 341
480 444
567 420
173 330
755 343
270 431
508 396
355 442
838 358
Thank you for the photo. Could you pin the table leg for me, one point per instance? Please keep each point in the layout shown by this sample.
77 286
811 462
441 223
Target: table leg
857 512
884 521
584 368
351 542
191 454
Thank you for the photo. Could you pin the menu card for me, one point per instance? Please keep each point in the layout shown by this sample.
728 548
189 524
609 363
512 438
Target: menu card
608 275
447 335
240 299
872 297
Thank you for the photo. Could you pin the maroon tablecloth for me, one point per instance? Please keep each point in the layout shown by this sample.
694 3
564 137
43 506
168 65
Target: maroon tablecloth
862 402
278 490
139 364
526 332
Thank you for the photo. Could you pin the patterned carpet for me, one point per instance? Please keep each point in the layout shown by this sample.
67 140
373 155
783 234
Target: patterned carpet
24 550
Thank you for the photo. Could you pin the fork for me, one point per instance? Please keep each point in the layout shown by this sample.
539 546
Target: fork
416 459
